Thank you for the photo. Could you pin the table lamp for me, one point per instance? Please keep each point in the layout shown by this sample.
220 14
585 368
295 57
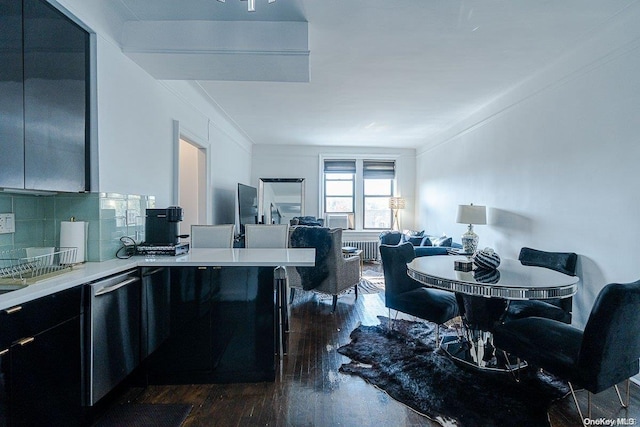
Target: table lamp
395 204
471 214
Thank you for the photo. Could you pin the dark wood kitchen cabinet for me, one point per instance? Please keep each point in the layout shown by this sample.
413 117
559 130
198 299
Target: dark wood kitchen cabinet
41 357
44 81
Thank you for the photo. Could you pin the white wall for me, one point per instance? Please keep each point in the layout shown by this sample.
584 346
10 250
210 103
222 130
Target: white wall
136 146
286 161
555 162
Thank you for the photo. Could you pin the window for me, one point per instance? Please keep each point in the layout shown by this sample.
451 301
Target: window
378 177
339 186
362 187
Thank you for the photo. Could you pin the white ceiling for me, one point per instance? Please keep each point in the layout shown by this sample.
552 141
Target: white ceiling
384 73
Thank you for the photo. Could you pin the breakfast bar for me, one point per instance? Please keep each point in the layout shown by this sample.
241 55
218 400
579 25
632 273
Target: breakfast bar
211 315
91 271
228 317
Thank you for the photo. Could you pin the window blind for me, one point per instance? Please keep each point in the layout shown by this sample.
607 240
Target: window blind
379 169
340 166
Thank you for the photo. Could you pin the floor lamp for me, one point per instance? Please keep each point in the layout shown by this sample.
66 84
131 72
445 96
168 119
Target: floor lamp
395 204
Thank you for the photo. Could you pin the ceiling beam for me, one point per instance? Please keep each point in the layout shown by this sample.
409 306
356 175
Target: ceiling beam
219 50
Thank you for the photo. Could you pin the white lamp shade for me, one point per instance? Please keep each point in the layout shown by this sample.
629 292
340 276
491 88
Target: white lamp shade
472 214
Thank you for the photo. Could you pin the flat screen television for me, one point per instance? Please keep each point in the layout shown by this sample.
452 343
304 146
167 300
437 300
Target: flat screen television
247 205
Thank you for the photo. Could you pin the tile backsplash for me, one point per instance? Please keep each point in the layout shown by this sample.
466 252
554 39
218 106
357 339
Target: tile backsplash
110 217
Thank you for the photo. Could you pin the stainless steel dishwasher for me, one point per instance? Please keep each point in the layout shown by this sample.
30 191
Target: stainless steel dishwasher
113 344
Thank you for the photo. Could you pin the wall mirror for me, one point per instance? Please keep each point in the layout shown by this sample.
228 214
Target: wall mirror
281 199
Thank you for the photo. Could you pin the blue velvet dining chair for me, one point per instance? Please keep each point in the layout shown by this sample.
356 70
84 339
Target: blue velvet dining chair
601 356
556 309
404 294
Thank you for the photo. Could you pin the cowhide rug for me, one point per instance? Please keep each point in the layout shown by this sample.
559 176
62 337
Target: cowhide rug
406 364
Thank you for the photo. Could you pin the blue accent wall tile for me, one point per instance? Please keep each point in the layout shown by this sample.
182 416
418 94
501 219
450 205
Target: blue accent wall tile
6 241
6 203
29 207
49 207
82 207
108 249
38 219
29 233
109 229
50 232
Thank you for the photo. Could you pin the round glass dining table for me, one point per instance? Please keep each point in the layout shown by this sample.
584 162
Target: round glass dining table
486 295
511 280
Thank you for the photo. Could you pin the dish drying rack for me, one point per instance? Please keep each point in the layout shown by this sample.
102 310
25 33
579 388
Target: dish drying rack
27 265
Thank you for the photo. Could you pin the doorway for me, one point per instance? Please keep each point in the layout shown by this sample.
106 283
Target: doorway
192 184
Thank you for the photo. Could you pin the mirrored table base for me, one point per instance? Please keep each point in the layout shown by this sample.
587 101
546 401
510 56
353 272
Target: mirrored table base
476 351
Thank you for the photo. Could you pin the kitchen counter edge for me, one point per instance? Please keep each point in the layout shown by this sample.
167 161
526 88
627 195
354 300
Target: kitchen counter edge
91 271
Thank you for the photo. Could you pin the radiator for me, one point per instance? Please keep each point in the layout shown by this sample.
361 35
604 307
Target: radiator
369 248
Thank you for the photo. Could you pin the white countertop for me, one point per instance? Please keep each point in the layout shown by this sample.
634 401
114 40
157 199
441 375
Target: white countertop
92 271
236 257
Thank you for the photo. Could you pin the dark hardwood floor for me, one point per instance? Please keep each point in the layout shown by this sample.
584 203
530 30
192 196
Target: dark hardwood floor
309 390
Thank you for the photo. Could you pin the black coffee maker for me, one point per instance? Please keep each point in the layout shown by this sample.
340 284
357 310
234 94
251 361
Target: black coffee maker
161 226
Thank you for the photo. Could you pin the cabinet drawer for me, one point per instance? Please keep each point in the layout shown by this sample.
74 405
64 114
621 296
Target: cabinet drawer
36 316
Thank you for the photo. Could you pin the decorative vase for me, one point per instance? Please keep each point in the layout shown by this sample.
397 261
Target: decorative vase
486 259
483 275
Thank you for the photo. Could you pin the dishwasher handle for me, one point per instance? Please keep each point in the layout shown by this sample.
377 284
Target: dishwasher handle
112 288
152 272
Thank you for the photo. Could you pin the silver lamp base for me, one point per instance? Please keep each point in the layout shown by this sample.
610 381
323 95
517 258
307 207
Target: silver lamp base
470 241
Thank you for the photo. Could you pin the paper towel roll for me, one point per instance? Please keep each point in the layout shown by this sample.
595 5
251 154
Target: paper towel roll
73 234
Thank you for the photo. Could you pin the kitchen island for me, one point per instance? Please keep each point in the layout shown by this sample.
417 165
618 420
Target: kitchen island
212 315
227 319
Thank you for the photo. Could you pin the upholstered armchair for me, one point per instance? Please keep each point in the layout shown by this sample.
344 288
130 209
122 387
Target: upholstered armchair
602 355
333 273
402 293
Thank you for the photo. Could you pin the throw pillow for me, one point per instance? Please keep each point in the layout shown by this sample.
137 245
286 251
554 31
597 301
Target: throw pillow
414 240
412 236
443 241
426 241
